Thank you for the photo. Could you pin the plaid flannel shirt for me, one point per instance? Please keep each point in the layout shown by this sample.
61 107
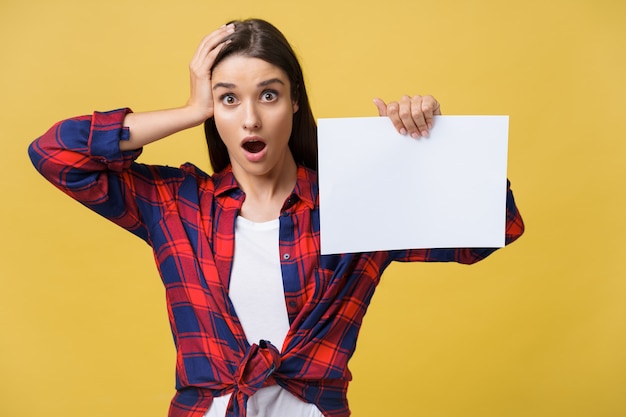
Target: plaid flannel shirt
188 218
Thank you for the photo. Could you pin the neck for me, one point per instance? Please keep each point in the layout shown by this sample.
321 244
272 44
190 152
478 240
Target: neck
266 194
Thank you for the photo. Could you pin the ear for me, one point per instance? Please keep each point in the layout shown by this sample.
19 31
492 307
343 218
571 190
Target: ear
294 105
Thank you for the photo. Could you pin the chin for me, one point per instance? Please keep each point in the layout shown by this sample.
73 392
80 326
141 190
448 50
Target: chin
257 169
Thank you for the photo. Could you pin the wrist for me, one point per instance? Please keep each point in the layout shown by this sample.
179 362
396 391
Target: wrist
196 113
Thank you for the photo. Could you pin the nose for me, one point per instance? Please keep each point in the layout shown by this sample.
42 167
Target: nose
251 119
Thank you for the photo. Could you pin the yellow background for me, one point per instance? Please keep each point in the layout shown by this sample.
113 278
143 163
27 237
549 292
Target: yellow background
536 330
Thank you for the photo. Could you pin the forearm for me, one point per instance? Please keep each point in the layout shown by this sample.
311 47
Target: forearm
514 221
81 156
151 126
74 153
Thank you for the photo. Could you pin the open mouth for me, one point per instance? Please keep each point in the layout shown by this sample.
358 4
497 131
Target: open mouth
253 146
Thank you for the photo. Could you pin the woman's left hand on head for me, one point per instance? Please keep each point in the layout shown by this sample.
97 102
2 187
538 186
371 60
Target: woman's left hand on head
411 115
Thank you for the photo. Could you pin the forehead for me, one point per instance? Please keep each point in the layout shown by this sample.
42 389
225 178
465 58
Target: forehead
242 70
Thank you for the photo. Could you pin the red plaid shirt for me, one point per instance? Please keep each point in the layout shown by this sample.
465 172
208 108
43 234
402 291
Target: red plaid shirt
188 217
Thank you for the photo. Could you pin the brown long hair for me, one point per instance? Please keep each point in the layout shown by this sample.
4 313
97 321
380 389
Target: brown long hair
257 38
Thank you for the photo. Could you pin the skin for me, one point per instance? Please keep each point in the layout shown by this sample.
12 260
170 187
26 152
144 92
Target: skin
237 97
411 115
252 100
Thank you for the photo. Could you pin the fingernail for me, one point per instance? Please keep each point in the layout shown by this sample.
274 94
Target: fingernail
425 133
415 135
403 131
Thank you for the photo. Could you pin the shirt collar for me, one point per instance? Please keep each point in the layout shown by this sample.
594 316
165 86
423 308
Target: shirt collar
306 184
224 181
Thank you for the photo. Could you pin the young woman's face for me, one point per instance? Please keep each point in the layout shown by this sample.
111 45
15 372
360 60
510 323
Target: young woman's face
253 114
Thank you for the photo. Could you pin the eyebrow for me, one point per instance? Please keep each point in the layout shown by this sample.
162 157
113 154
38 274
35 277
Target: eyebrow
261 84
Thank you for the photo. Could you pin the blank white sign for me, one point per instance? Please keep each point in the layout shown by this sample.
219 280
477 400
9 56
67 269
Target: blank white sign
380 190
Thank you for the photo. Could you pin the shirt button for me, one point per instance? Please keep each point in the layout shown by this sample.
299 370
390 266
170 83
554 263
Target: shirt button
293 304
286 256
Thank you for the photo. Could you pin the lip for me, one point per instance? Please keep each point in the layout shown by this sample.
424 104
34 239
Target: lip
253 156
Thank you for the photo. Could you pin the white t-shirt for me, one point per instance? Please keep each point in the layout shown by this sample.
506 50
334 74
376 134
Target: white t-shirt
257 293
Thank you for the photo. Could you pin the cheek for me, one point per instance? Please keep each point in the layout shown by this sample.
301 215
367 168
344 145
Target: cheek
225 124
283 122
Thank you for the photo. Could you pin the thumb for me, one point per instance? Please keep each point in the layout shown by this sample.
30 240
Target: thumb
381 106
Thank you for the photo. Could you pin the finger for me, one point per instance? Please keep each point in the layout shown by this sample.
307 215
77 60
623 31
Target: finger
418 116
211 41
408 115
381 106
217 36
393 114
430 108
215 51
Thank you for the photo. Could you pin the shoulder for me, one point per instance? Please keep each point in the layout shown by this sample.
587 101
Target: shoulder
160 181
189 169
191 172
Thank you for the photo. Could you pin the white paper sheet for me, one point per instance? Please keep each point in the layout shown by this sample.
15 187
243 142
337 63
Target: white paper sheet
380 190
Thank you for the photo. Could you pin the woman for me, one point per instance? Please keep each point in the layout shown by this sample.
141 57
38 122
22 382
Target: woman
266 326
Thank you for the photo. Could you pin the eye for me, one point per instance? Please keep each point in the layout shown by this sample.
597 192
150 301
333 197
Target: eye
228 99
269 96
